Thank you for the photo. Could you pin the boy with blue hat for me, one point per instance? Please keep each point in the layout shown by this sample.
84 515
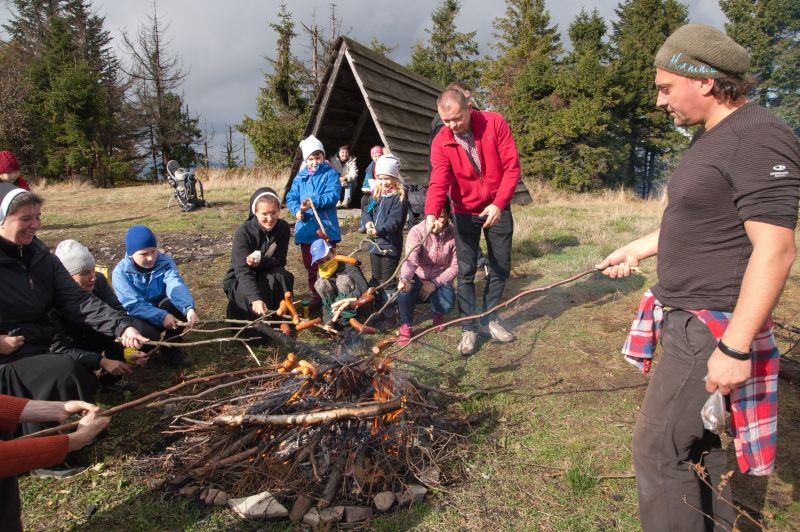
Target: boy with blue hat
337 280
149 286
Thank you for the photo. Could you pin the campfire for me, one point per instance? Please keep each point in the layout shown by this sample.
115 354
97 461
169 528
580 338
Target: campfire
316 437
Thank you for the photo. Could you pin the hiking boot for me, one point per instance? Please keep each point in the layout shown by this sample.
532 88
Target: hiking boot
178 357
497 332
122 386
404 338
438 319
467 344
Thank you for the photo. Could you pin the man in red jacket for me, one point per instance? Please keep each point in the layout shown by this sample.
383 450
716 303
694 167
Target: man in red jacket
474 159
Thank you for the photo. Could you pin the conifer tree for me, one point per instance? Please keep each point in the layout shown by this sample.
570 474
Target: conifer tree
282 109
770 30
449 54
646 134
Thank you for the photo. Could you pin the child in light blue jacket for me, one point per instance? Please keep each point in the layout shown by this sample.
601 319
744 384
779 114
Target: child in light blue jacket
148 285
316 182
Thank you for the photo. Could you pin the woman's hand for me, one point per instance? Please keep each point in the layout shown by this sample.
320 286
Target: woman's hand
137 358
192 318
132 338
116 367
258 307
404 285
89 426
9 344
427 289
251 262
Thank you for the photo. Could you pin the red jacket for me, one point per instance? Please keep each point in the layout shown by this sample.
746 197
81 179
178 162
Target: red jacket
452 170
19 456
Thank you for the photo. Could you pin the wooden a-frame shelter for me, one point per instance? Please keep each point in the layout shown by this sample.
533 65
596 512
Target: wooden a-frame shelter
367 99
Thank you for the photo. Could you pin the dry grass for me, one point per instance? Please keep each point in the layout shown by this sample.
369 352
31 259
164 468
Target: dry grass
534 465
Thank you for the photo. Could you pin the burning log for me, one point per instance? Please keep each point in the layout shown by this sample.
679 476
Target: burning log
313 418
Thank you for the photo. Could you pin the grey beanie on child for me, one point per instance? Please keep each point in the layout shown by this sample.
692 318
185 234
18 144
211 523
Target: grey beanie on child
75 257
702 52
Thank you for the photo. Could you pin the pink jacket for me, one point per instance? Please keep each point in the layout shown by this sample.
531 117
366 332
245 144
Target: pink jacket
434 261
453 172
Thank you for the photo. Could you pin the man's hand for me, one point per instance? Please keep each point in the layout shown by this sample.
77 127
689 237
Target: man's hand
430 222
89 426
116 367
258 307
192 318
726 373
9 344
618 264
132 338
427 289
169 322
492 213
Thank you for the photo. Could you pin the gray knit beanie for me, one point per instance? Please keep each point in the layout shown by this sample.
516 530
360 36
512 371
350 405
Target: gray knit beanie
75 257
702 52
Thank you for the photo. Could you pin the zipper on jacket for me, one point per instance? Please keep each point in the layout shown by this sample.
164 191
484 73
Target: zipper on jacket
24 267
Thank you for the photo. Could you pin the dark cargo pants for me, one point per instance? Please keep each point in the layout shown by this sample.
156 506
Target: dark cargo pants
669 436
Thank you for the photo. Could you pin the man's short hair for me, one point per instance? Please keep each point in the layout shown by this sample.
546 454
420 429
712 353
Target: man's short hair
449 97
458 86
730 88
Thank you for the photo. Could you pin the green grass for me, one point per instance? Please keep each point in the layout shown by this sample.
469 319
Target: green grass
561 423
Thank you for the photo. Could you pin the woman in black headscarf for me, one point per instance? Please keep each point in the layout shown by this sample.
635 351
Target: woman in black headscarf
32 283
257 279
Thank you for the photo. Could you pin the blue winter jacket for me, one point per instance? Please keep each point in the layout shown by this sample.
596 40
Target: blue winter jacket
140 293
388 214
323 188
367 176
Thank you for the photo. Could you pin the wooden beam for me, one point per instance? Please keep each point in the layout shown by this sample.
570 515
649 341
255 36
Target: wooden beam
328 91
362 121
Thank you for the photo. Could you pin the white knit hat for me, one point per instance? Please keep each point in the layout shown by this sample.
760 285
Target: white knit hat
75 257
388 165
311 144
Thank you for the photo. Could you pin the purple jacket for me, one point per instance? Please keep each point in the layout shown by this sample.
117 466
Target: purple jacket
434 261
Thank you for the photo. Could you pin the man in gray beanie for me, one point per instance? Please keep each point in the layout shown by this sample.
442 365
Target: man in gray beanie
725 248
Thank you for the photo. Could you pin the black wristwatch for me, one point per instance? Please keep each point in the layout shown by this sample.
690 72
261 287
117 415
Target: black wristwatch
731 352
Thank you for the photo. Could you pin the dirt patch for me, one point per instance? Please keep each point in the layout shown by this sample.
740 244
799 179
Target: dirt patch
182 247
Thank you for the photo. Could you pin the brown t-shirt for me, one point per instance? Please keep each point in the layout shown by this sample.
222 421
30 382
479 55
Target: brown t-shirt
745 168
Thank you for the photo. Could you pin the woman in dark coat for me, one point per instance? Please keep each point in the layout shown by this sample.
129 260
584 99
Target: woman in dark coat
32 282
257 279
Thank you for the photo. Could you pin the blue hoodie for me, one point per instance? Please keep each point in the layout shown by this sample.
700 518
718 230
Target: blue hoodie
140 292
323 188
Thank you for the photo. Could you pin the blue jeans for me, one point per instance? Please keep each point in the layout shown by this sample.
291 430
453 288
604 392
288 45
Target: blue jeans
442 300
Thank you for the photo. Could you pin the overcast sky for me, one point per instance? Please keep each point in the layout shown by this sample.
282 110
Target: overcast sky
223 43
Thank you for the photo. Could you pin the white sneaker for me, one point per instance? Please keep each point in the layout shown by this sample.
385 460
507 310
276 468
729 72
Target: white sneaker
467 344
497 332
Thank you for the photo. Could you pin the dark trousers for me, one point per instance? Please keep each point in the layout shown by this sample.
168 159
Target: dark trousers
46 377
313 274
669 435
272 287
383 266
442 300
10 507
153 332
468 230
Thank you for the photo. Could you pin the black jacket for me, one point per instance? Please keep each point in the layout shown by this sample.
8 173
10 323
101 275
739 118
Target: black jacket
28 294
249 237
69 333
388 214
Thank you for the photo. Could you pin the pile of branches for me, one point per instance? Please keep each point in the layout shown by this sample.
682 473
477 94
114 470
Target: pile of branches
328 429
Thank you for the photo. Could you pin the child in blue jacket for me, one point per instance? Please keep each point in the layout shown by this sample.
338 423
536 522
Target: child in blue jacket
316 182
384 221
148 285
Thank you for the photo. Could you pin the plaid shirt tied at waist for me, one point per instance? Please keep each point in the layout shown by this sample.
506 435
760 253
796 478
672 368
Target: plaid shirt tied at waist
754 405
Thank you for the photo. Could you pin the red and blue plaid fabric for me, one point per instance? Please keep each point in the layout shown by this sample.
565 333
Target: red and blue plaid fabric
754 405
